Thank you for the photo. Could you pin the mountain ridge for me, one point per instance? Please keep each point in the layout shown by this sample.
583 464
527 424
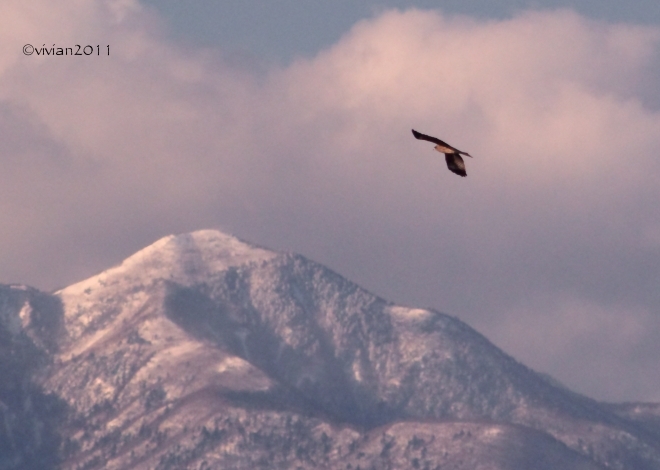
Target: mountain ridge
164 358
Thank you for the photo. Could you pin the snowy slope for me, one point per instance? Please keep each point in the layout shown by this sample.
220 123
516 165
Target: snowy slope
202 351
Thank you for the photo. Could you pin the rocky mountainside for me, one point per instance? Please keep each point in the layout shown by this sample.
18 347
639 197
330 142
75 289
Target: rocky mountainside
204 352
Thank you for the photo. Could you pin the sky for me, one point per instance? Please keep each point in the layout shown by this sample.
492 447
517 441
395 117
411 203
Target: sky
288 125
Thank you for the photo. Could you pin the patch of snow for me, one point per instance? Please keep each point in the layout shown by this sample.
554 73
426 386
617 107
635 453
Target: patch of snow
492 432
233 363
183 349
357 373
409 313
25 315
102 390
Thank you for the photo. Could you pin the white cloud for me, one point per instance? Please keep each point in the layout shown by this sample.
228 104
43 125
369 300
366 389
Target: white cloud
105 154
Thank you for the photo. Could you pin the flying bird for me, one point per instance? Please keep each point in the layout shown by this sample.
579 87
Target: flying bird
452 155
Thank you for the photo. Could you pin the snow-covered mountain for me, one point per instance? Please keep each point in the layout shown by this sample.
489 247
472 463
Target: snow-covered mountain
204 352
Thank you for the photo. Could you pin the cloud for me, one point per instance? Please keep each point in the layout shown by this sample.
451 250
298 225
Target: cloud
595 347
105 154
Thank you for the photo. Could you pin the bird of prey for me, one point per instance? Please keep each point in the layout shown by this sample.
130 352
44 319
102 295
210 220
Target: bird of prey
452 155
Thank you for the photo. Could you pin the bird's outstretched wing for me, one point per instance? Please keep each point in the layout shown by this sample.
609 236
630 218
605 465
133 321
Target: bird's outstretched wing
435 140
445 147
455 164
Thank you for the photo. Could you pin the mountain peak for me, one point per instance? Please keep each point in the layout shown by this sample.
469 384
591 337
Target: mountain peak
182 258
208 250
203 348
